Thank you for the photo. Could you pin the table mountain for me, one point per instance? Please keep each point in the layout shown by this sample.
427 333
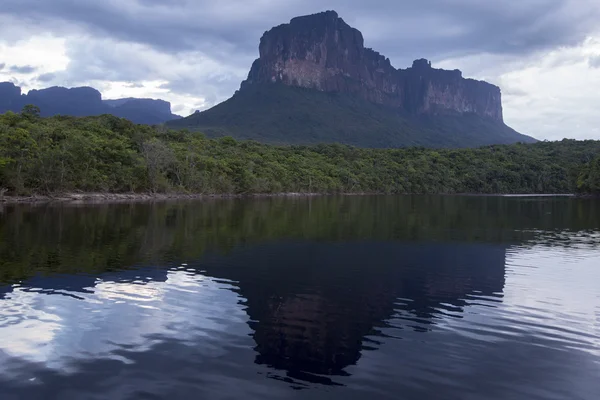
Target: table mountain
84 101
316 82
322 52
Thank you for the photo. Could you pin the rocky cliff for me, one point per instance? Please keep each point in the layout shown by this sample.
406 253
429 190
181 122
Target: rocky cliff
10 96
322 52
315 82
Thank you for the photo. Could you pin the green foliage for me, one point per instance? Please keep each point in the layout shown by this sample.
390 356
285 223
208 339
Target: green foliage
31 112
280 114
589 179
60 154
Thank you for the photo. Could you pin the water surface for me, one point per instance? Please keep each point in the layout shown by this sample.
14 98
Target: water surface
321 298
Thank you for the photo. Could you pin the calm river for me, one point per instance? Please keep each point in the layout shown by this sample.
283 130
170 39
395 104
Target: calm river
305 298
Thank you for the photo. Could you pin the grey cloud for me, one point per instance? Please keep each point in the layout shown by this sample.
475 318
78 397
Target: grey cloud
212 91
94 60
178 108
134 85
170 26
22 69
2 65
514 91
594 61
162 2
186 74
400 29
46 77
98 61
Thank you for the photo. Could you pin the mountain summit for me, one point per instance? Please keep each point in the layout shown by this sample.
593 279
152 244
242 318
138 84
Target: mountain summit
315 82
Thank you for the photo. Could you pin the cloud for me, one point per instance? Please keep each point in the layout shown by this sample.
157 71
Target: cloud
178 108
550 95
171 26
132 66
134 85
2 65
46 52
594 61
22 69
436 27
47 77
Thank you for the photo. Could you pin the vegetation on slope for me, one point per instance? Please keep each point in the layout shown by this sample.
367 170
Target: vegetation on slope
280 114
59 154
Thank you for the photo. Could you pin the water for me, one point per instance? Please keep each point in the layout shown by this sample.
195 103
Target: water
320 298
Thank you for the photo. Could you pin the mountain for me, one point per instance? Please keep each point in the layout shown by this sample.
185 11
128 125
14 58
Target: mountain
147 111
84 101
316 82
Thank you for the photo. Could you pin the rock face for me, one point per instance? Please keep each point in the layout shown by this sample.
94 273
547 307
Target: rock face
160 107
84 101
322 52
10 96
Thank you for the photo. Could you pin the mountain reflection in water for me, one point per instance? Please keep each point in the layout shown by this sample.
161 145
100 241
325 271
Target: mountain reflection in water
430 297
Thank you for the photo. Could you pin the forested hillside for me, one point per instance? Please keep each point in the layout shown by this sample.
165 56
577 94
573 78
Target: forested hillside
279 114
589 178
61 154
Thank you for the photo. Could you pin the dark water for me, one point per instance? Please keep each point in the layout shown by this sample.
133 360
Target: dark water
323 298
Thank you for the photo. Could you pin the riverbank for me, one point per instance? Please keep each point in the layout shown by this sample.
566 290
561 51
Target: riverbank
91 198
138 197
106 154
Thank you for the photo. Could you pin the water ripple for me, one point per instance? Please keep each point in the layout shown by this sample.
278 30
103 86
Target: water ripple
324 319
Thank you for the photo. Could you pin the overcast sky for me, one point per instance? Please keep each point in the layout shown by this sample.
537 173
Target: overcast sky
544 54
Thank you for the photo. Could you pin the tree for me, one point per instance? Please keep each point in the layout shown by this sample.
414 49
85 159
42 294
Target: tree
159 157
31 112
589 179
18 151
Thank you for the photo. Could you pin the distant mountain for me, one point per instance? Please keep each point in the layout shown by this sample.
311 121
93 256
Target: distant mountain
84 101
316 82
142 111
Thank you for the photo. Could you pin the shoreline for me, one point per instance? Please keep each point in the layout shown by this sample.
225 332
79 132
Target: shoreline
101 197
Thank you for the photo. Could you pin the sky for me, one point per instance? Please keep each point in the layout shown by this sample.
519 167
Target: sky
544 54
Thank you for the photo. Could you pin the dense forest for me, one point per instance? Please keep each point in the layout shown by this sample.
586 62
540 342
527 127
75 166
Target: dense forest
109 154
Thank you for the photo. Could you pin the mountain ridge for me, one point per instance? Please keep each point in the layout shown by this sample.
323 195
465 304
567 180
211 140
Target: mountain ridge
84 101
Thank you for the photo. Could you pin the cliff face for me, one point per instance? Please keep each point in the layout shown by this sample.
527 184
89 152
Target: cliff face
159 107
10 96
322 52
